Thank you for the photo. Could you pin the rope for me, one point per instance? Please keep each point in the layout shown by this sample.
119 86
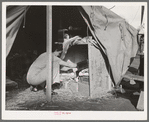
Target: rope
87 31
24 19
111 7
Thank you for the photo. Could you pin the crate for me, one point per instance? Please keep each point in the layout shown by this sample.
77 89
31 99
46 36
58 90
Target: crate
98 81
83 86
73 86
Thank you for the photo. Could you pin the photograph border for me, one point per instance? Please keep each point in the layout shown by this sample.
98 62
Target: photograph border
9 115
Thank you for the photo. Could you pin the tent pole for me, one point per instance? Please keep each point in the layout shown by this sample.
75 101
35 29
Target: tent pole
142 13
49 52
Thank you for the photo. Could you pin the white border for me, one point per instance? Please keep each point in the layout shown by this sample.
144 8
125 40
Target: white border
77 3
75 115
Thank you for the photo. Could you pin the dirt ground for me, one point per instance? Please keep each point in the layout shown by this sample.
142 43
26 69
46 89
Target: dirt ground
24 99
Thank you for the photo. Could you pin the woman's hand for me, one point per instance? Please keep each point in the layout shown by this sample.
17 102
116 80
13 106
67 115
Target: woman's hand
71 64
77 37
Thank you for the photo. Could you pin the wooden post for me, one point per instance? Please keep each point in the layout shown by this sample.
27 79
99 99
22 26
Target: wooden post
140 105
99 80
49 52
90 72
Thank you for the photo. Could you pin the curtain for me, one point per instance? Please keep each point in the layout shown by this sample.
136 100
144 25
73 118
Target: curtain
14 17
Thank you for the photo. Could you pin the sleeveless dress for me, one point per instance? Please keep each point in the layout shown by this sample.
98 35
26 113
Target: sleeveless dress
37 72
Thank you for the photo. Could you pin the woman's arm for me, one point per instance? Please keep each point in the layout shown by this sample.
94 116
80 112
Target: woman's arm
68 64
64 63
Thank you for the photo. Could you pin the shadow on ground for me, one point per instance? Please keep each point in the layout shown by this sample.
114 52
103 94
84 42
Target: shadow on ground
132 91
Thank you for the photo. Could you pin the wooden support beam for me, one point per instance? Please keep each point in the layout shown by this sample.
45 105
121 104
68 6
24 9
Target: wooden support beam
99 79
90 72
49 53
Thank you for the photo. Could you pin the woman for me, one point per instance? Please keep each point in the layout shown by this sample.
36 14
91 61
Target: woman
37 72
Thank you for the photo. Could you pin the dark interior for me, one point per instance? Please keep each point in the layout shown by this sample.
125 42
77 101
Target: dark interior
33 36
30 41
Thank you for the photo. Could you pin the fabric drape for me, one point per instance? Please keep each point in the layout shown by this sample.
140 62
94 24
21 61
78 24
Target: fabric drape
14 17
116 38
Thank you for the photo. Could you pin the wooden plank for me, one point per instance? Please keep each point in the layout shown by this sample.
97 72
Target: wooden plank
49 52
91 78
99 79
141 54
134 77
140 105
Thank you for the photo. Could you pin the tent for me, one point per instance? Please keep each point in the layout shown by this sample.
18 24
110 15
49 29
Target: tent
114 37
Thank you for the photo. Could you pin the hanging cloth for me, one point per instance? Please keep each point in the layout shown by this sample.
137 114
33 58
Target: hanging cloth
14 17
114 36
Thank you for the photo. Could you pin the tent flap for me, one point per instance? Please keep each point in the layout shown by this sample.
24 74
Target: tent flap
15 15
116 35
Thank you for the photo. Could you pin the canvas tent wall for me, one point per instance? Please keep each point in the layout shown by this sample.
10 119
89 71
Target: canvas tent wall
114 37
117 37
31 34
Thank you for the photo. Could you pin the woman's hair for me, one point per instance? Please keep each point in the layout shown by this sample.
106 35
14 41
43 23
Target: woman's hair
65 36
57 47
